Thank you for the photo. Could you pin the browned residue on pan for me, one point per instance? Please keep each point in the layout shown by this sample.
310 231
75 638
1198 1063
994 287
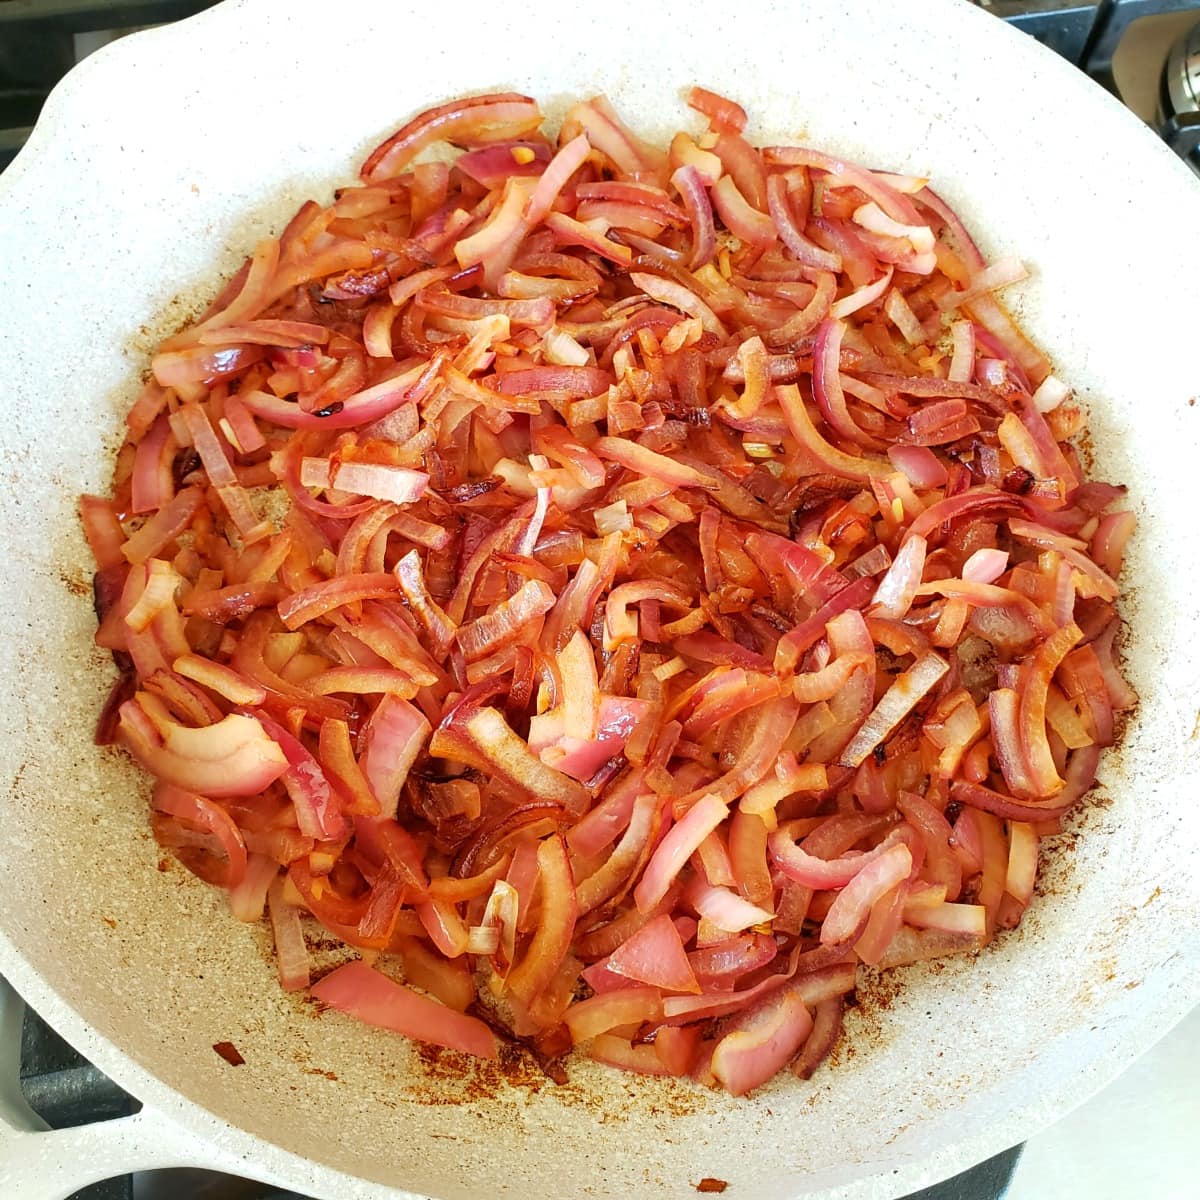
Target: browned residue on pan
15 786
461 1079
866 1026
330 1075
75 581
450 1078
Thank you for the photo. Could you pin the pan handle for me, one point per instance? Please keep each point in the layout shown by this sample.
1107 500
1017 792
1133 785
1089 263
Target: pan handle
39 1163
54 1164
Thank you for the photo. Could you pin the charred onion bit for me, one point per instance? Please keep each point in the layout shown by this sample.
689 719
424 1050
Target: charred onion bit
615 590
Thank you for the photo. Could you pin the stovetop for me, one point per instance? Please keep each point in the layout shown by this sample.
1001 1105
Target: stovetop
1123 44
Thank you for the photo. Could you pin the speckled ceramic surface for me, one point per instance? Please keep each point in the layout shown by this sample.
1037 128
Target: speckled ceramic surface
155 167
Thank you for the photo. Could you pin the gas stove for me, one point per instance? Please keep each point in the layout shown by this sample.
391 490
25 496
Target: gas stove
1147 52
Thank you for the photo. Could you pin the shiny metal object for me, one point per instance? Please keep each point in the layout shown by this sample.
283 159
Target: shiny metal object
1179 98
1181 77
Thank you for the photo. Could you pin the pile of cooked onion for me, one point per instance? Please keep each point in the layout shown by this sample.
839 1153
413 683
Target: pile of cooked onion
615 591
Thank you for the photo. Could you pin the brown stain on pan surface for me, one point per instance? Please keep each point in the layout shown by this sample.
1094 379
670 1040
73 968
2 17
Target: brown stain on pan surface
76 582
330 1075
446 1077
460 1079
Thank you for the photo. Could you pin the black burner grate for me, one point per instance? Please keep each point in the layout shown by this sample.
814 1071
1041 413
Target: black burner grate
65 1090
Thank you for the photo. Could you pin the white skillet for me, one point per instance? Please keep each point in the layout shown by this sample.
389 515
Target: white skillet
155 167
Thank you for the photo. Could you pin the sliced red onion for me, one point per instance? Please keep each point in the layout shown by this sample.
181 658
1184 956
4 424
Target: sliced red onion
391 741
554 178
898 588
724 115
986 565
318 807
491 165
152 483
903 317
861 297
690 186
366 406
1015 345
655 956
905 693
791 232
231 758
207 815
291 952
951 918
816 448
919 236
610 136
592 235
667 291
626 1006
871 883
962 361
754 228
1110 539
208 446
1001 273
725 909
676 848
1040 758
845 174
827 385
372 997
1051 392
478 120
563 350
762 1042
647 462
921 467
396 485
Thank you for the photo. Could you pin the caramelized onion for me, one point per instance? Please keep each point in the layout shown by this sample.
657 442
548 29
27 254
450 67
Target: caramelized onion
628 589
